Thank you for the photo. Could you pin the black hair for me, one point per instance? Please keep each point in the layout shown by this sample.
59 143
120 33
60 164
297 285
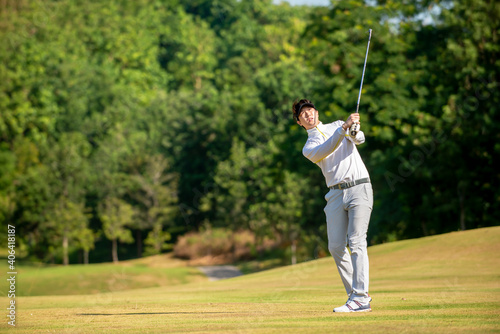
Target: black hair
298 105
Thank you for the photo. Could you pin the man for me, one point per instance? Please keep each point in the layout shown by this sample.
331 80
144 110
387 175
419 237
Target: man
349 201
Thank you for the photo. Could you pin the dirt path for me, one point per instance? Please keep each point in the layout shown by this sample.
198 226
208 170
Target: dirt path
215 273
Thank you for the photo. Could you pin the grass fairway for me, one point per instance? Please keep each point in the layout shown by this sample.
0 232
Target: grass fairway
153 271
440 284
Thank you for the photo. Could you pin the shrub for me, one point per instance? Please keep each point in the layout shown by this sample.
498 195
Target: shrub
219 246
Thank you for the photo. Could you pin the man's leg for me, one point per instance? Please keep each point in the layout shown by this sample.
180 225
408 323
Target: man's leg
360 203
337 222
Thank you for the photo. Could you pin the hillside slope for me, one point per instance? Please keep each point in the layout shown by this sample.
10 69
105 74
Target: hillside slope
440 284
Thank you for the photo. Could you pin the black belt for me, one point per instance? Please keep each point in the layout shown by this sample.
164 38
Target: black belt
346 185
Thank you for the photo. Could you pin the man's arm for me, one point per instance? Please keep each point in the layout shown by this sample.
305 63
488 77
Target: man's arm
317 152
359 139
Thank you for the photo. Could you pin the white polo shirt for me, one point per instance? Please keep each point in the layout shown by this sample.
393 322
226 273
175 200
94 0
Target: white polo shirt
335 152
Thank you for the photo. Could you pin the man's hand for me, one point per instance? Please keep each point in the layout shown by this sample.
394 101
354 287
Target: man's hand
353 118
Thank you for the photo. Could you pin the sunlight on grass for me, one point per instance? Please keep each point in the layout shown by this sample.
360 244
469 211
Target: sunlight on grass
156 271
440 284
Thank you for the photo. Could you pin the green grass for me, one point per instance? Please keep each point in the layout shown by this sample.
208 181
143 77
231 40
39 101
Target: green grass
155 271
254 266
441 284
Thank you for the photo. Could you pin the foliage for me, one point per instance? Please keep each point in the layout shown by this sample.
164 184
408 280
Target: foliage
143 121
116 216
69 223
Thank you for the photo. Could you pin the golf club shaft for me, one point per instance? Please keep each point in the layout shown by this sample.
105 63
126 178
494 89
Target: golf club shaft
364 67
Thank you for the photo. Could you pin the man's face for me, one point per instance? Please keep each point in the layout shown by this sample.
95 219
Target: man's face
308 118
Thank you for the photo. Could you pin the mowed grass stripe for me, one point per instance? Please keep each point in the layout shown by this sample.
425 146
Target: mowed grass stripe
440 284
43 280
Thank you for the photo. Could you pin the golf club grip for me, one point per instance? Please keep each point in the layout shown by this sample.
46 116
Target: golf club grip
354 129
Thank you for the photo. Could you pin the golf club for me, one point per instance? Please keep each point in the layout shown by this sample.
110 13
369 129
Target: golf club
353 131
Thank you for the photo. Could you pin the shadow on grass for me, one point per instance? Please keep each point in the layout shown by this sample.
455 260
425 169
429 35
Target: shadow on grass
150 313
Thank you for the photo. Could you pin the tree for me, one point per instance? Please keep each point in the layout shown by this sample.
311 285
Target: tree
116 215
269 201
155 193
86 241
464 110
70 224
282 211
7 175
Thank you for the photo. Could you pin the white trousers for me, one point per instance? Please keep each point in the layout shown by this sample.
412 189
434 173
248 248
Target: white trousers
348 215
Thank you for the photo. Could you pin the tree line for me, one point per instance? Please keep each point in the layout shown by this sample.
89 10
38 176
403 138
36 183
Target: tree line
136 122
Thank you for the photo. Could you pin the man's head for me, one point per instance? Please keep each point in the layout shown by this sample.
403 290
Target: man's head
305 113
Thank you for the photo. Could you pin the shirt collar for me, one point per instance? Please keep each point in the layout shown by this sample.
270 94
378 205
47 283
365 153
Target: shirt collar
319 126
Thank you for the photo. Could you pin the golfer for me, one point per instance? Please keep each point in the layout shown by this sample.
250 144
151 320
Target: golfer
349 201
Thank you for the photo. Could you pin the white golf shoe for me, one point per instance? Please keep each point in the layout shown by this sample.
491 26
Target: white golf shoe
353 306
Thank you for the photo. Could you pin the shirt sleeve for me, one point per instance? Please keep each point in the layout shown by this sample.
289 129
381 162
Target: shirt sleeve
359 139
316 152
